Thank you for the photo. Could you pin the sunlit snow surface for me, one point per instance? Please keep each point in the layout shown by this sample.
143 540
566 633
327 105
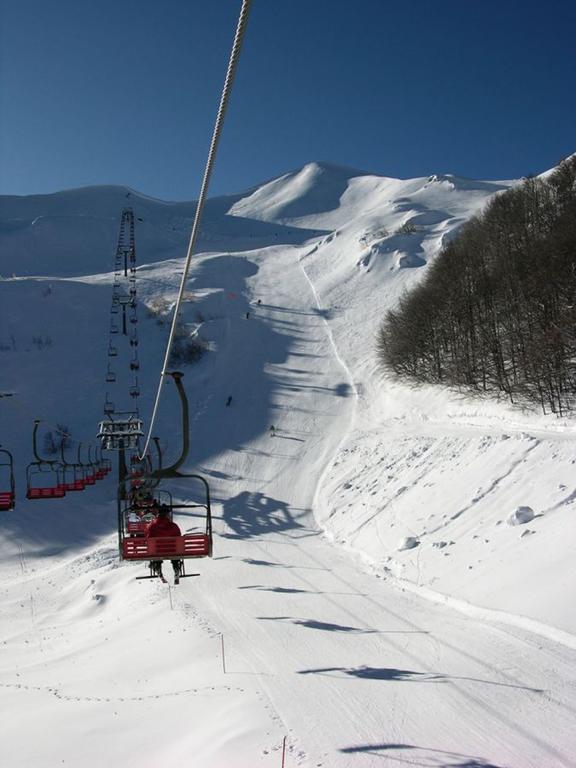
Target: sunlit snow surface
358 649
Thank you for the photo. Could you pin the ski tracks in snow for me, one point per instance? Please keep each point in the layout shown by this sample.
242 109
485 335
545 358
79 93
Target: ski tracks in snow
349 376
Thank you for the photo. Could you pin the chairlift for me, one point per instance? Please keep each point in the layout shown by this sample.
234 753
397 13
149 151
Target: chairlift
108 406
112 351
134 340
135 389
190 545
104 466
72 478
113 326
134 364
7 485
110 376
118 434
44 481
43 476
88 469
184 547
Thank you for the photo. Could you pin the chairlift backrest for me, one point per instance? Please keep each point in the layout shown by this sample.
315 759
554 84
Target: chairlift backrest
7 485
44 480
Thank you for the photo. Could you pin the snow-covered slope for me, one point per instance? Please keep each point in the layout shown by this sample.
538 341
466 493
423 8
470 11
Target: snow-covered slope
315 620
75 232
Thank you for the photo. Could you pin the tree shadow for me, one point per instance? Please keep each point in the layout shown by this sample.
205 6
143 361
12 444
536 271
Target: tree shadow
408 675
326 626
329 627
253 561
280 590
441 758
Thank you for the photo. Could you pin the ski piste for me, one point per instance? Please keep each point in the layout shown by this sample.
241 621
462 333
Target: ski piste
457 654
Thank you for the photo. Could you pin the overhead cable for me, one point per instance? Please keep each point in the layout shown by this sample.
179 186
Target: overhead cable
232 65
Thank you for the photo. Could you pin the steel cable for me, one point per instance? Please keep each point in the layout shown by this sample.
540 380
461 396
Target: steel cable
232 65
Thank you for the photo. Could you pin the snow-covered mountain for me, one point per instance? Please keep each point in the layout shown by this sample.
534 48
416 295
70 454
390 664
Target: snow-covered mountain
365 543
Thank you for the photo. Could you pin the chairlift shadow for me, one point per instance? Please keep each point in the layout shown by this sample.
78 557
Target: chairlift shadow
253 514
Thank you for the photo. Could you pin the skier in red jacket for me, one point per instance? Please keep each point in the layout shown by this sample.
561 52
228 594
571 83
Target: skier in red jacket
161 527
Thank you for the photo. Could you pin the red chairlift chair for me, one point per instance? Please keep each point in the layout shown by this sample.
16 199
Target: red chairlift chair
43 477
7 486
48 488
188 546
72 475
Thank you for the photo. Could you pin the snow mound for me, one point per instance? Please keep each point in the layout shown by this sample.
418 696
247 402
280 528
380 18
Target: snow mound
408 542
316 188
521 516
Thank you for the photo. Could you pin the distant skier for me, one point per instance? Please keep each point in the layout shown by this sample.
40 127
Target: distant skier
259 301
229 401
272 430
247 315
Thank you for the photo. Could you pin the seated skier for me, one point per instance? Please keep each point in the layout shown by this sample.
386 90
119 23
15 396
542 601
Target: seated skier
163 526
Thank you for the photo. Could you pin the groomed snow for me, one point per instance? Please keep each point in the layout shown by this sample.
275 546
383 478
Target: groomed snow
358 651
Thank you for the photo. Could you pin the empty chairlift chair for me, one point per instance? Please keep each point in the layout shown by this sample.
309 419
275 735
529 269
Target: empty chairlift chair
7 486
72 475
44 480
90 469
108 406
43 476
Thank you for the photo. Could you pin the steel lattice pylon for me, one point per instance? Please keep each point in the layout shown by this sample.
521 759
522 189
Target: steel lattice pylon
122 427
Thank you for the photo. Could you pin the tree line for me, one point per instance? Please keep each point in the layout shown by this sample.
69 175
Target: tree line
496 311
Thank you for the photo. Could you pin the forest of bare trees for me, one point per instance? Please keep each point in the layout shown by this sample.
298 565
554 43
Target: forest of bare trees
496 312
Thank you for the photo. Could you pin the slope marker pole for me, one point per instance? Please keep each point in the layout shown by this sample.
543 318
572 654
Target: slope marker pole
284 752
223 656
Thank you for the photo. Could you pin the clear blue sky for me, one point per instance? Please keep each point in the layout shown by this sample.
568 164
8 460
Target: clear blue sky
125 91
